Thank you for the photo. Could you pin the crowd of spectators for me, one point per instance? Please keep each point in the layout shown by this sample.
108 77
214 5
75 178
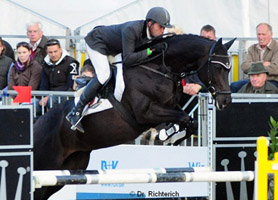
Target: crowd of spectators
41 63
44 65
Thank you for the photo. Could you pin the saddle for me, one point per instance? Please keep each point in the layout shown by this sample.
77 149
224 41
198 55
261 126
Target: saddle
106 100
109 86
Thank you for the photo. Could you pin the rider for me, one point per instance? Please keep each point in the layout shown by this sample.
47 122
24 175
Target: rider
103 41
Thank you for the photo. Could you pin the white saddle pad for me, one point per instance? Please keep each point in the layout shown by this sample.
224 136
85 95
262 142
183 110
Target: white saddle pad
98 106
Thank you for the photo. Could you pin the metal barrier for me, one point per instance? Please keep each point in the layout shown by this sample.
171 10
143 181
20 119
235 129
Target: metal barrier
231 136
37 95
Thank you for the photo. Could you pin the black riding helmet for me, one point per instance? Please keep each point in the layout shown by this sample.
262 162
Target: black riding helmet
159 15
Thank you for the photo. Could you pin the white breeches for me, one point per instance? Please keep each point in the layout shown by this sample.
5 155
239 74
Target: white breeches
102 69
120 84
101 64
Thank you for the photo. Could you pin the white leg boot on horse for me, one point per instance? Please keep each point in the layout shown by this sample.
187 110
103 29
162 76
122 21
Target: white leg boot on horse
88 94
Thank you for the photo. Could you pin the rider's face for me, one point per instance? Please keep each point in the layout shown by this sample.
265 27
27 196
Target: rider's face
155 29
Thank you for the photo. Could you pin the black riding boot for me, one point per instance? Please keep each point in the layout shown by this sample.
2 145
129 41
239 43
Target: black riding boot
88 94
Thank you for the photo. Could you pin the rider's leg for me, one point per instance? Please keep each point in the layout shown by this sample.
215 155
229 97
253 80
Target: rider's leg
102 70
120 84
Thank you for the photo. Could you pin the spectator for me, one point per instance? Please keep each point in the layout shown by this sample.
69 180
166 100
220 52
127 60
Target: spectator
37 41
208 31
5 64
195 85
87 62
86 73
59 71
258 83
266 50
8 50
103 41
25 72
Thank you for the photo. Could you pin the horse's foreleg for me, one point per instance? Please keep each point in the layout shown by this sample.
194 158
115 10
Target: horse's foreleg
157 114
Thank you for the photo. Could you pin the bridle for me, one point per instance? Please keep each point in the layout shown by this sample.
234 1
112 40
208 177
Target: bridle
227 66
174 76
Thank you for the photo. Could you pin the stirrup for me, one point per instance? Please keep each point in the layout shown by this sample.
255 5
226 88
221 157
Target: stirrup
77 125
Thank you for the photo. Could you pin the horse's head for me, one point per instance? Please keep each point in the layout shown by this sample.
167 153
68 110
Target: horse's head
218 68
186 53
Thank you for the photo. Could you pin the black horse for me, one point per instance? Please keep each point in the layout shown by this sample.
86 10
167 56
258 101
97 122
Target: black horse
151 97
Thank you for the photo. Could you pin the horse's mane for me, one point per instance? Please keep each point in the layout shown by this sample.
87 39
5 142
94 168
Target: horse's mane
169 37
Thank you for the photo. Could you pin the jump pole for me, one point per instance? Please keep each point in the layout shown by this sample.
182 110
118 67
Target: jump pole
121 171
52 180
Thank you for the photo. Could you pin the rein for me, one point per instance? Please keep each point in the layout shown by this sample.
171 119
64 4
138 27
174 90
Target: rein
170 75
211 88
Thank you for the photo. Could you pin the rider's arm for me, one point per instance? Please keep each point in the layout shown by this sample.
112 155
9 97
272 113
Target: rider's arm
130 35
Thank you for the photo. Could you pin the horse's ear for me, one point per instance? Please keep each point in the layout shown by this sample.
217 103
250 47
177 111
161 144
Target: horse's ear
219 41
229 44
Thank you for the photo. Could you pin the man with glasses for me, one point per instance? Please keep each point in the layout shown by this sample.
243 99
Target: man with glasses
37 41
59 71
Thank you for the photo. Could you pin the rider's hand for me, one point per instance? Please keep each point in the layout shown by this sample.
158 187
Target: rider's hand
158 48
191 88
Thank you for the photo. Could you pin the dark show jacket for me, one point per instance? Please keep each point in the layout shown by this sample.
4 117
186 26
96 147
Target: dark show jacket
59 76
120 38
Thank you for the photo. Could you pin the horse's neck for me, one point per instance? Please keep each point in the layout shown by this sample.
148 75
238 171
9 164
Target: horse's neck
189 54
